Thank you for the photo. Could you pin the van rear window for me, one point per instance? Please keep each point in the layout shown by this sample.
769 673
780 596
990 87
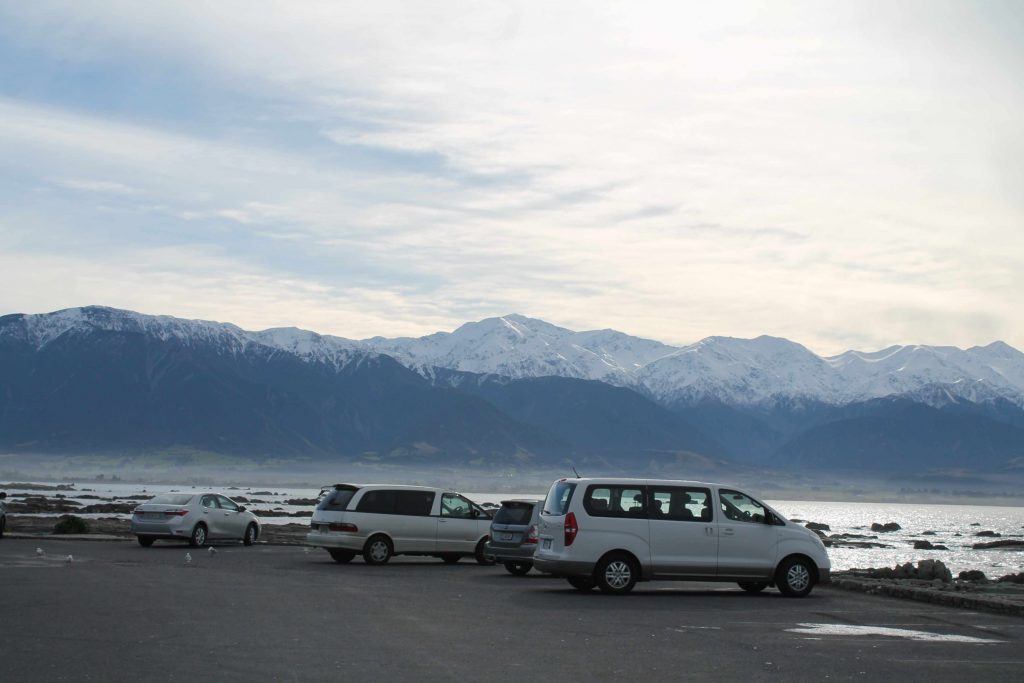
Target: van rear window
336 500
557 502
514 513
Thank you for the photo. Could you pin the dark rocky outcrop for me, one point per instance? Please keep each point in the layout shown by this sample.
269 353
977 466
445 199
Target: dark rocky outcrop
817 526
885 528
972 575
1006 543
988 534
928 545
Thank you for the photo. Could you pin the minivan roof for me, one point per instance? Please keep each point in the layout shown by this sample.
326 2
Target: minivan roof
637 481
401 487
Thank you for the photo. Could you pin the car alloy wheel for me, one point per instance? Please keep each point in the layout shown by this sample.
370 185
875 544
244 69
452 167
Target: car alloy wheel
616 575
795 579
377 551
198 537
250 535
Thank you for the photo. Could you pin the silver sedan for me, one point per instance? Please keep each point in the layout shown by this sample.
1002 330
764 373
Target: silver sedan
194 517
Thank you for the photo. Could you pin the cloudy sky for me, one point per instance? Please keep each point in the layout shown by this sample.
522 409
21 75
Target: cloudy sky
846 175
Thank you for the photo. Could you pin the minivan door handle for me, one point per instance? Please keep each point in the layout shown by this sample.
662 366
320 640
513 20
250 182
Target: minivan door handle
727 532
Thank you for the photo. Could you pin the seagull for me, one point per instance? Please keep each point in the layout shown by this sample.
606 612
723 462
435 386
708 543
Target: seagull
188 558
213 551
306 550
39 552
69 559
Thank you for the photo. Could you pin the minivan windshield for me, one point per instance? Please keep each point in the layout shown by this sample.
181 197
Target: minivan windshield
557 502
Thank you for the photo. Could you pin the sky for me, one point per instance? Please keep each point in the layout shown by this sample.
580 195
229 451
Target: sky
842 174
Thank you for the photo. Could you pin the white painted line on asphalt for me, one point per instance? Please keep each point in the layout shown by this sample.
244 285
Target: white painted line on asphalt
909 634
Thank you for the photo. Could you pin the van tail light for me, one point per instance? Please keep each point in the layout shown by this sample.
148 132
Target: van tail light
532 535
571 528
350 528
175 513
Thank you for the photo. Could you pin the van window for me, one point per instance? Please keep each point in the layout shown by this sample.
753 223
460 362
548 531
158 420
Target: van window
337 499
557 502
740 507
454 505
681 503
382 501
603 500
418 503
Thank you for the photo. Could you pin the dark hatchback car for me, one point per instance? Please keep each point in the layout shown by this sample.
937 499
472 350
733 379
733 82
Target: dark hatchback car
514 535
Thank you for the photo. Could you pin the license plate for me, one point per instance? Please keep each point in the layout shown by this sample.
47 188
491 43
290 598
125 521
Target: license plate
506 537
154 515
547 544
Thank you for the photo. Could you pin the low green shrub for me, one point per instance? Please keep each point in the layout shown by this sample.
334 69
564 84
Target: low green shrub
70 524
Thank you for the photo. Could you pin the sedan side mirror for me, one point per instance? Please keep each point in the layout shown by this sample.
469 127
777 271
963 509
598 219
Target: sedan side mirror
241 508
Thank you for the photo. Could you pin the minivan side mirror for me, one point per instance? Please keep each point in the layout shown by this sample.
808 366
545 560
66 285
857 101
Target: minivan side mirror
475 513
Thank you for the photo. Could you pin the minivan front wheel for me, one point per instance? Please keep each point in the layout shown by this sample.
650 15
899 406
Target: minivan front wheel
378 550
753 586
795 578
481 553
616 574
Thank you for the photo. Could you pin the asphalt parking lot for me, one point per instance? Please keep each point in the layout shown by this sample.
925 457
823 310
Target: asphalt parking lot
119 612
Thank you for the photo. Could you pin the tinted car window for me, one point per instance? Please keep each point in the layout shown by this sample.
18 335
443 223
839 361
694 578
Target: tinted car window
681 503
557 502
377 501
417 503
171 499
614 501
514 513
337 499
454 505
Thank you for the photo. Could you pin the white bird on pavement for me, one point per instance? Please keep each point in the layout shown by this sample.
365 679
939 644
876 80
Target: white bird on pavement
69 559
39 552
188 558
213 551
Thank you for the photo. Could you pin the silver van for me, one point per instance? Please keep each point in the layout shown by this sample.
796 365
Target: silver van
379 521
611 533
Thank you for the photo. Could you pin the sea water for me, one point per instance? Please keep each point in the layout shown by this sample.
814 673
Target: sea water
954 526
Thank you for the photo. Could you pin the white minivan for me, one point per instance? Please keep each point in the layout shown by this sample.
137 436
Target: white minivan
379 521
611 533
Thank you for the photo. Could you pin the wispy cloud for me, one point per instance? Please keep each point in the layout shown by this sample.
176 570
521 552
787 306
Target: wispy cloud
674 170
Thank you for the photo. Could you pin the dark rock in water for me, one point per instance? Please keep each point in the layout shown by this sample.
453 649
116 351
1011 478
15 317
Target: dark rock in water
972 575
1011 578
837 536
817 526
927 545
1006 543
301 501
926 570
798 521
34 504
885 528
38 487
281 513
123 508
988 534
975 523
927 533
262 493
240 499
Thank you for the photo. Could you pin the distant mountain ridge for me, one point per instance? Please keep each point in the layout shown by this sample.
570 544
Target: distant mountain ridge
506 387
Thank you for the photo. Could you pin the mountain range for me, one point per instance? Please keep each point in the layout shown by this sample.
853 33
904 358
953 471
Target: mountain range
502 390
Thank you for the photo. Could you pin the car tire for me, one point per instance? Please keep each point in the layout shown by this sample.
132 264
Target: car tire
481 557
616 574
518 568
451 558
3 526
341 556
795 578
145 542
378 549
250 535
584 584
199 536
753 586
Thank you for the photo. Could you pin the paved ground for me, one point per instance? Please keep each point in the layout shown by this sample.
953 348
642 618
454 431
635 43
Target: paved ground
122 612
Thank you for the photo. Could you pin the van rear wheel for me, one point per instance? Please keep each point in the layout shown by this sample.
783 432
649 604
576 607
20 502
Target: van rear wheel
581 583
616 574
378 550
341 556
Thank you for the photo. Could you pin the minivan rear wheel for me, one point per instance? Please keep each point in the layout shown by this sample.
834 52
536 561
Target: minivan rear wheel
581 583
519 568
753 586
795 578
378 550
341 556
616 574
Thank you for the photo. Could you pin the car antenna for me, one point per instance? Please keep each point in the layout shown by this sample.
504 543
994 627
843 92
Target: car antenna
575 472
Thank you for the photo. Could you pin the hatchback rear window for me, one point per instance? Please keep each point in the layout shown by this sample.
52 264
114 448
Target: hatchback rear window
557 502
171 499
514 513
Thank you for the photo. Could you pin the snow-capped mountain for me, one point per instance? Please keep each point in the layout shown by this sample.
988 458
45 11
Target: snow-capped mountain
40 330
733 371
517 347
